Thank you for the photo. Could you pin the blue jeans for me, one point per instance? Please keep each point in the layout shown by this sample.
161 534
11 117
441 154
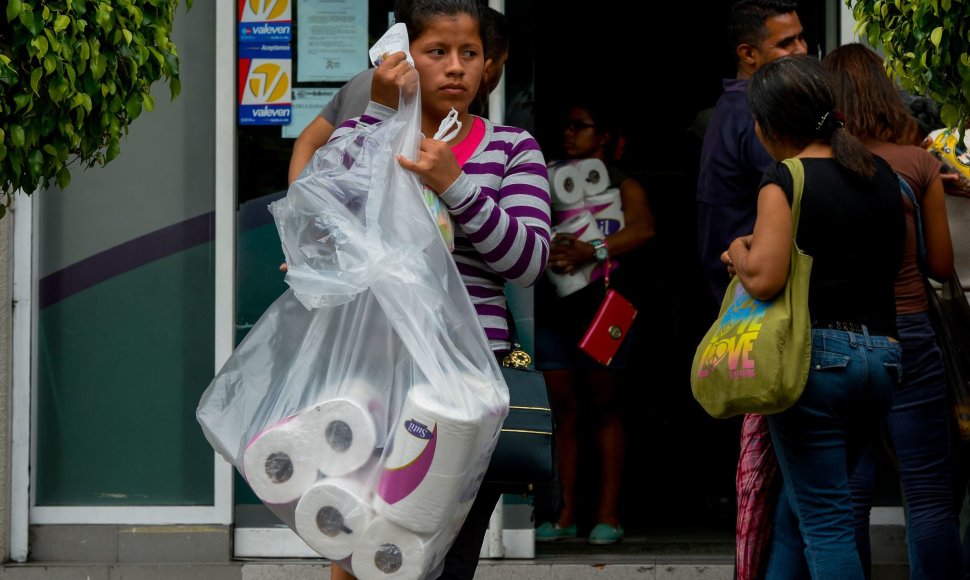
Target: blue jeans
919 430
818 442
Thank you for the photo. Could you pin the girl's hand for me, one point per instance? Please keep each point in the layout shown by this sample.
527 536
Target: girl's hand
436 165
390 76
955 184
726 259
567 253
738 246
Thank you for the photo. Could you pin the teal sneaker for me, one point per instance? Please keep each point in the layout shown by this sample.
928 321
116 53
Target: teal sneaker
604 534
550 532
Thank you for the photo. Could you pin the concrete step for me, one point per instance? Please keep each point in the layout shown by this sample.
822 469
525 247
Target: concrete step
559 568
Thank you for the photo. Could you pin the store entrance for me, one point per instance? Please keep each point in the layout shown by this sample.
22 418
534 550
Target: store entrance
680 463
679 469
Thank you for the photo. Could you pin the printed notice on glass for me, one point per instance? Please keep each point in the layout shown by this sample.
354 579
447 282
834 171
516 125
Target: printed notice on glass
307 104
331 39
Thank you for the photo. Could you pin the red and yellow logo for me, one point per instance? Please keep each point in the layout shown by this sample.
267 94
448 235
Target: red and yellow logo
269 82
268 9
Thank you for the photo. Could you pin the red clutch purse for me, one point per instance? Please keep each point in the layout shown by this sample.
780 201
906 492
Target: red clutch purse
609 327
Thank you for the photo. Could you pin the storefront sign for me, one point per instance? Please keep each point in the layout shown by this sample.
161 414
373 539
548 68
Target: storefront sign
265 79
262 21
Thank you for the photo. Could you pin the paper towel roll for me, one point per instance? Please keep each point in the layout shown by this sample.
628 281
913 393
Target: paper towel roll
280 463
584 227
607 209
565 184
332 515
427 465
390 552
343 429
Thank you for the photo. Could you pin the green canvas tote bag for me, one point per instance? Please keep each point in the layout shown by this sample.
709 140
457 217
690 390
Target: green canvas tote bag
755 357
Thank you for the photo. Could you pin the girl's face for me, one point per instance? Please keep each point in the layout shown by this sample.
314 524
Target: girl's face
449 58
581 139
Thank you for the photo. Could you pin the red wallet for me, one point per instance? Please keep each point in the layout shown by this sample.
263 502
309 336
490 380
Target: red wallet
609 328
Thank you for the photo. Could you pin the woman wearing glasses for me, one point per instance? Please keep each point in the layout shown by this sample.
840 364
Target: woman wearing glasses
576 381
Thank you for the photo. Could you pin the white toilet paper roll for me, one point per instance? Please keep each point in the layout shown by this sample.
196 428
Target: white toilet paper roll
280 464
390 552
428 463
584 227
594 174
565 184
607 210
332 515
343 430
563 212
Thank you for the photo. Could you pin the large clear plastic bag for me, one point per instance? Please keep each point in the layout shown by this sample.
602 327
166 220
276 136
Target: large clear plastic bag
364 405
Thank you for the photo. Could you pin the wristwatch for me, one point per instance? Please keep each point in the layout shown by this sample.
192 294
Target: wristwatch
600 250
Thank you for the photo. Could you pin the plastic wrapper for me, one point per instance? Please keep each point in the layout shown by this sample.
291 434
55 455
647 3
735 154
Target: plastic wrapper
946 146
364 405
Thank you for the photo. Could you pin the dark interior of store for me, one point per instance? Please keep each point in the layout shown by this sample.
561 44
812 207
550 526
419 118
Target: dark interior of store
660 63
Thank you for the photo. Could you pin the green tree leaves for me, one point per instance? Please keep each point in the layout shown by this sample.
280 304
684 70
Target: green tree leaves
926 44
74 74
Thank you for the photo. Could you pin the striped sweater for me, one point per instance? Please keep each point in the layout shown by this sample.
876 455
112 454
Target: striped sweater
500 205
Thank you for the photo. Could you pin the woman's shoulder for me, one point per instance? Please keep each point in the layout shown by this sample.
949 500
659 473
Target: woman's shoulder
506 132
508 141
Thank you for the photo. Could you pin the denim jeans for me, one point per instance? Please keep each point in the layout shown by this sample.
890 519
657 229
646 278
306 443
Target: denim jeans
818 442
919 431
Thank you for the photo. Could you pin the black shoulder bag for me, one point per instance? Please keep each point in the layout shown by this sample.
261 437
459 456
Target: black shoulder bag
524 457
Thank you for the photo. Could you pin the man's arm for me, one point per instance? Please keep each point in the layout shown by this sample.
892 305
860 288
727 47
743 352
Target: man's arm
314 136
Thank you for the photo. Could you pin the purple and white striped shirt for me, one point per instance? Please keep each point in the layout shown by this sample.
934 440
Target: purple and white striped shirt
501 206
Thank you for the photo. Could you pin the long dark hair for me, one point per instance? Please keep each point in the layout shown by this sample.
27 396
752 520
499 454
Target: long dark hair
792 100
867 97
417 14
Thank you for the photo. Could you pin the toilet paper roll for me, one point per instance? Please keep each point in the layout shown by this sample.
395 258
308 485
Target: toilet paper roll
280 463
594 174
344 432
565 184
390 552
607 209
332 515
562 213
427 465
584 227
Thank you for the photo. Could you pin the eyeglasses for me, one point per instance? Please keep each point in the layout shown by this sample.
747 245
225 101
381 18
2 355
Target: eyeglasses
576 125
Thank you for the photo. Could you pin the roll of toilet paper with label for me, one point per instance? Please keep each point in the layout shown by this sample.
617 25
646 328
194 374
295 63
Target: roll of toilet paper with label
344 431
332 515
594 174
565 184
390 552
607 210
583 226
281 463
428 463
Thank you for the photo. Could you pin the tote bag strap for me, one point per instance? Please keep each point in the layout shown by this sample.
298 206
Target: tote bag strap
797 171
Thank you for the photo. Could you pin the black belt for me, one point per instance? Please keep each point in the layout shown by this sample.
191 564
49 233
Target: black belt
855 327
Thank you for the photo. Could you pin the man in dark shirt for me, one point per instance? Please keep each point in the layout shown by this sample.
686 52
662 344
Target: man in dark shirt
731 165
732 159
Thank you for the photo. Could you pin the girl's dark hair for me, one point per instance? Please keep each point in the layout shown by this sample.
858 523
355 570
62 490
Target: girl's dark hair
417 14
792 100
925 111
495 32
867 97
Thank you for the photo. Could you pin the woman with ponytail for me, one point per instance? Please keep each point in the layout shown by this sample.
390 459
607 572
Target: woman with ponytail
852 225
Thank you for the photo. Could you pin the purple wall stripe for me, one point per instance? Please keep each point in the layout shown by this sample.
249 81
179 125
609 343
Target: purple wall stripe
125 257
